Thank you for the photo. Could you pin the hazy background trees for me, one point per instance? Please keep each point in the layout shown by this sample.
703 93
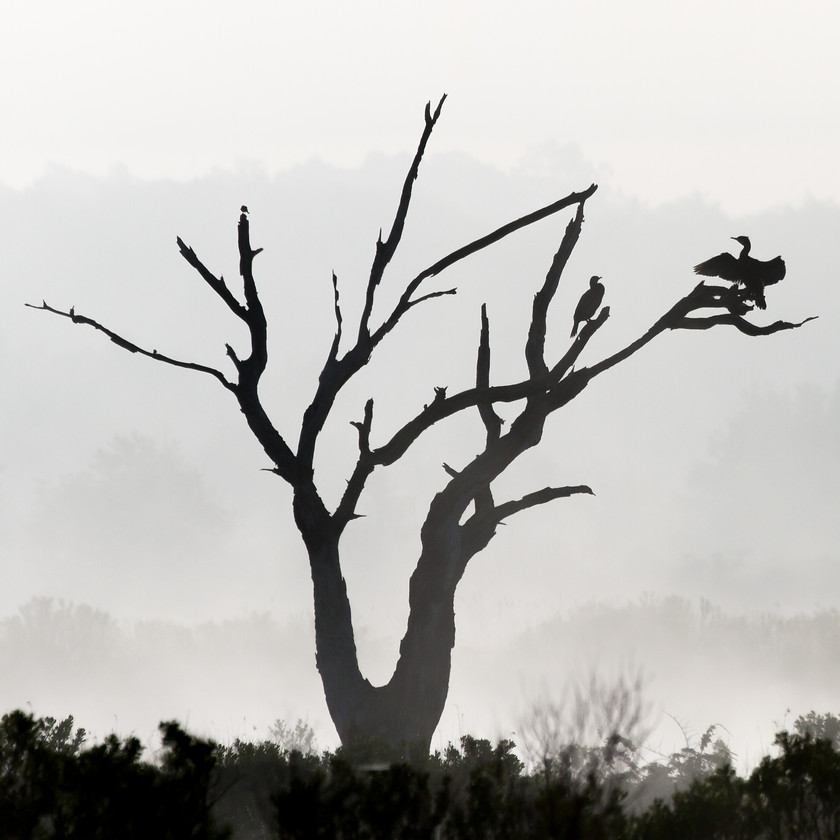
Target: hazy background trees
82 489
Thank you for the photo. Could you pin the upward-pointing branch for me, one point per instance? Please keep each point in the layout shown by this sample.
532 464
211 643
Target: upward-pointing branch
535 345
385 250
492 421
217 284
405 302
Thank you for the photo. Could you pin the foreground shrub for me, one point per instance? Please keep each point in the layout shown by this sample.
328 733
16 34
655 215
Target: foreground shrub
794 795
51 787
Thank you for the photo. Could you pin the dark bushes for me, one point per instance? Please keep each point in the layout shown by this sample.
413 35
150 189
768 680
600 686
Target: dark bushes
52 786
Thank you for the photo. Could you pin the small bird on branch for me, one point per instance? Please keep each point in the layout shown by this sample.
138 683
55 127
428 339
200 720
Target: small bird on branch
589 302
753 274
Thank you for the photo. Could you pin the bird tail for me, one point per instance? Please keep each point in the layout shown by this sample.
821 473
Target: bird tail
574 330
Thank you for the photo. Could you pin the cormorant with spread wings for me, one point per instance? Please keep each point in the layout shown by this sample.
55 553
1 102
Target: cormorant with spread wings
752 273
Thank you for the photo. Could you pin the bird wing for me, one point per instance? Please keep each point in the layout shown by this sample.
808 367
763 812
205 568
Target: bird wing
723 265
774 270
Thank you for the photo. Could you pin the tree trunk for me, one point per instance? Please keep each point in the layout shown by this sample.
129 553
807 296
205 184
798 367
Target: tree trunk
405 712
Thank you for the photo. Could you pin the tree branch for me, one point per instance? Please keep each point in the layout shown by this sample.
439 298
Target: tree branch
431 295
217 284
741 324
535 345
404 303
385 250
492 421
134 348
701 297
337 309
246 265
346 509
479 529
539 497
338 371
561 387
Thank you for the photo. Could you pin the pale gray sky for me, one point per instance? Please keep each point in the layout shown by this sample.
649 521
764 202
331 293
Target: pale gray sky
738 102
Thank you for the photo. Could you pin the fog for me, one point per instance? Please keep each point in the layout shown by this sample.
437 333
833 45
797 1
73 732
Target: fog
134 490
152 568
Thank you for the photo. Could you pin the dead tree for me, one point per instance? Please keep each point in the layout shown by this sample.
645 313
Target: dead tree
463 517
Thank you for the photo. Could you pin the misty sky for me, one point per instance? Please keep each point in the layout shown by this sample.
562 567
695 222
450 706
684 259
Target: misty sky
733 101
136 489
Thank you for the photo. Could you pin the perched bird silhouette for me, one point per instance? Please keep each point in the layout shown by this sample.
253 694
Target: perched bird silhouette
752 273
589 302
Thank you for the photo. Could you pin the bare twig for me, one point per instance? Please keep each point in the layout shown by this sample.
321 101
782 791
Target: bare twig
346 509
131 346
535 345
746 327
385 250
492 421
539 497
404 302
217 284
337 310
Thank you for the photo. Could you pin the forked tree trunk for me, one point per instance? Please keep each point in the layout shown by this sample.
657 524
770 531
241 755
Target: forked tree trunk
404 712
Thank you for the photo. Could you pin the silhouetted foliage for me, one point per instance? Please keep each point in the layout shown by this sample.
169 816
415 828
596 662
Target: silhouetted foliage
50 787
479 790
824 727
794 795
661 780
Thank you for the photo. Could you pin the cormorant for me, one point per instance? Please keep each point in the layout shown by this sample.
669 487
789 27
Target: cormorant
754 274
589 302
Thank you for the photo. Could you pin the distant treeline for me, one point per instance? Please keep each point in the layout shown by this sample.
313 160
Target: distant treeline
64 658
53 786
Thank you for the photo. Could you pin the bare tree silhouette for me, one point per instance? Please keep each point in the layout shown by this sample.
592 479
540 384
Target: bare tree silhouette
463 517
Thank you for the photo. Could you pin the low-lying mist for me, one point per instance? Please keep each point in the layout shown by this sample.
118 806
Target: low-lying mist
695 665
